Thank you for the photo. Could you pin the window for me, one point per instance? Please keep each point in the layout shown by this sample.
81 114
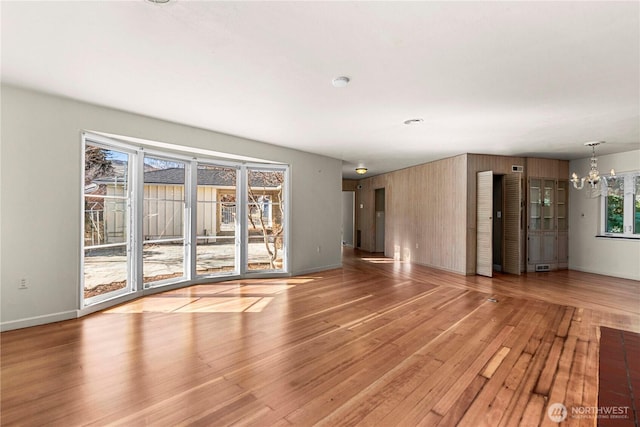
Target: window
615 207
266 228
216 220
621 206
155 217
163 224
107 270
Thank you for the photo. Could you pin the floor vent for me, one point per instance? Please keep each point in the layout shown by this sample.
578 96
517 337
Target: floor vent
543 267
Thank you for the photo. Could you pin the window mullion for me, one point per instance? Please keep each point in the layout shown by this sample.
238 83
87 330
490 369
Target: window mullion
137 221
242 221
191 217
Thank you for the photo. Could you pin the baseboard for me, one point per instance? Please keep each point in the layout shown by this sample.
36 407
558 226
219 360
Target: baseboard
38 320
317 269
603 273
448 270
74 314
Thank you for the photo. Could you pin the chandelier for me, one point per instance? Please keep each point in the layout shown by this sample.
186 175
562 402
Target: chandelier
593 177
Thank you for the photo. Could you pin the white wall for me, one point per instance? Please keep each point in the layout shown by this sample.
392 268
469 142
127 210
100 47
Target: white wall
40 182
612 257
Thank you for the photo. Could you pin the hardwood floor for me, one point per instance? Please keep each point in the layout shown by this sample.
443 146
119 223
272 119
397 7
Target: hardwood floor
374 343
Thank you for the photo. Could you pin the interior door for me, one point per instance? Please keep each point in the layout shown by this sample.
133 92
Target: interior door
380 209
512 223
484 224
348 217
380 231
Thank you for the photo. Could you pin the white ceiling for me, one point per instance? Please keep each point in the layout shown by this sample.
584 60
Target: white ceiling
512 78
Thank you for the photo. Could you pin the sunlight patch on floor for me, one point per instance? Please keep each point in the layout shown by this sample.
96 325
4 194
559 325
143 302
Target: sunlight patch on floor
152 304
382 261
213 298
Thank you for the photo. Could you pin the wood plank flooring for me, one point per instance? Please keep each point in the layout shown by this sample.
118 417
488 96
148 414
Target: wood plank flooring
376 342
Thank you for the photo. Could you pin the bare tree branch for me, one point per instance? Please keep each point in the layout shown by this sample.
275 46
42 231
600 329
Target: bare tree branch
268 181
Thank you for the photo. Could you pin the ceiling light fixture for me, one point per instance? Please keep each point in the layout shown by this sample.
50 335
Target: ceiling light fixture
413 121
361 170
158 1
341 81
593 177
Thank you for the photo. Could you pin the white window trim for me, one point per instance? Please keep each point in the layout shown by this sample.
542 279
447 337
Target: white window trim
628 191
245 225
194 213
132 268
183 153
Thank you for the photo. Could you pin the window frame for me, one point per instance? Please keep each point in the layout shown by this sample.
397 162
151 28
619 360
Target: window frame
194 217
630 192
137 152
186 218
132 267
244 261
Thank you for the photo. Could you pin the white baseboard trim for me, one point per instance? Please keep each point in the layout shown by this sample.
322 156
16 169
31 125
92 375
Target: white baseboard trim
603 273
38 320
317 269
74 314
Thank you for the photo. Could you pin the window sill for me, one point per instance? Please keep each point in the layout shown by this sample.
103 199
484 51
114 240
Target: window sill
613 236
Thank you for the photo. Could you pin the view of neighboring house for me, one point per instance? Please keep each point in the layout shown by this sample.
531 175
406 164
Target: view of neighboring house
163 204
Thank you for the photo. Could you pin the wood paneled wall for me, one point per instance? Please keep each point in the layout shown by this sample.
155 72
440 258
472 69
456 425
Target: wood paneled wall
425 213
349 184
547 168
430 216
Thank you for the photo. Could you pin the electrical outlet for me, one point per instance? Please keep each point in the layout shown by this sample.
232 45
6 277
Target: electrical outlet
417 246
23 284
319 249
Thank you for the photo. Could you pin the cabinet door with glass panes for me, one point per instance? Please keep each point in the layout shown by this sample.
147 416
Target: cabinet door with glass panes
543 222
562 213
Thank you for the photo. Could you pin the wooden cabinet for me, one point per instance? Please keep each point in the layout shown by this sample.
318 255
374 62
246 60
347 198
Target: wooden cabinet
547 228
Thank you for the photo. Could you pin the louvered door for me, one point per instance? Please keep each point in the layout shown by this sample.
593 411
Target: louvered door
484 224
512 224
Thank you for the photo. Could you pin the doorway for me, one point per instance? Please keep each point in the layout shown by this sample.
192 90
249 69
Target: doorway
348 217
499 223
380 202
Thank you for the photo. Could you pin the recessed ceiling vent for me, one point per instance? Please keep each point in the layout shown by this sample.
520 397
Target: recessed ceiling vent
517 168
